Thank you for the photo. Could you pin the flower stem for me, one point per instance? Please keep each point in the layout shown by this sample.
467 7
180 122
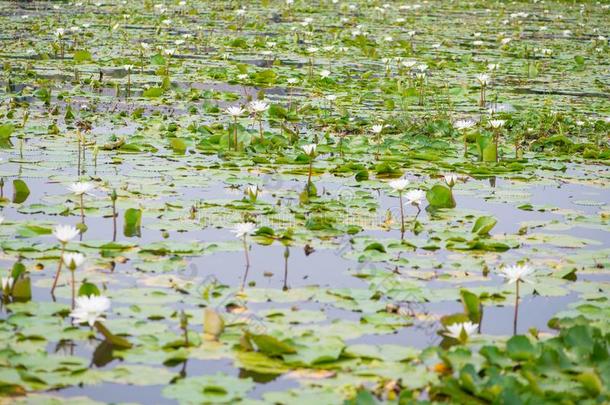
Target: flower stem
260 128
416 216
310 170
402 217
378 146
516 307
114 215
286 255
73 288
61 259
82 210
246 252
465 144
235 133
79 152
128 83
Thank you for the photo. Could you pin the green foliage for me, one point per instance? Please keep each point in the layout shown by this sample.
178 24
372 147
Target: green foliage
483 225
132 222
569 367
440 196
21 191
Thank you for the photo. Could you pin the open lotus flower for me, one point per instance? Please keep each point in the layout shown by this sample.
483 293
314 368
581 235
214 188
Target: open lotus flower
377 128
81 188
309 149
258 106
243 229
90 309
128 68
415 197
65 233
462 125
461 331
399 185
483 79
495 124
517 273
235 111
73 260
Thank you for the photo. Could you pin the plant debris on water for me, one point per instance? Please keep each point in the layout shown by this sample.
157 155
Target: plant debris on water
296 202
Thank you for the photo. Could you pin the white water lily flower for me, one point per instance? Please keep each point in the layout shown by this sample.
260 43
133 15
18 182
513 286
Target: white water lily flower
455 330
235 111
483 79
252 192
324 73
495 124
65 233
73 258
60 32
377 128
492 67
399 185
415 197
461 125
242 229
517 273
309 149
90 309
450 179
128 68
7 283
81 188
258 106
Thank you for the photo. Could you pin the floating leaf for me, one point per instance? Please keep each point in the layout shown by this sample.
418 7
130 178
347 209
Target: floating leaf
82 56
483 225
132 222
440 196
21 191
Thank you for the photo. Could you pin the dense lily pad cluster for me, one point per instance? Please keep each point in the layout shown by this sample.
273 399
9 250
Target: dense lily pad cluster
304 202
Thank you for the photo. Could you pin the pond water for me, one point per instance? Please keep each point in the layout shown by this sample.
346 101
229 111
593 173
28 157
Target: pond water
325 298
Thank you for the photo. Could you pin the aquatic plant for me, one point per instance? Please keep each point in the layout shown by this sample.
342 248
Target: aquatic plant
516 274
63 233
